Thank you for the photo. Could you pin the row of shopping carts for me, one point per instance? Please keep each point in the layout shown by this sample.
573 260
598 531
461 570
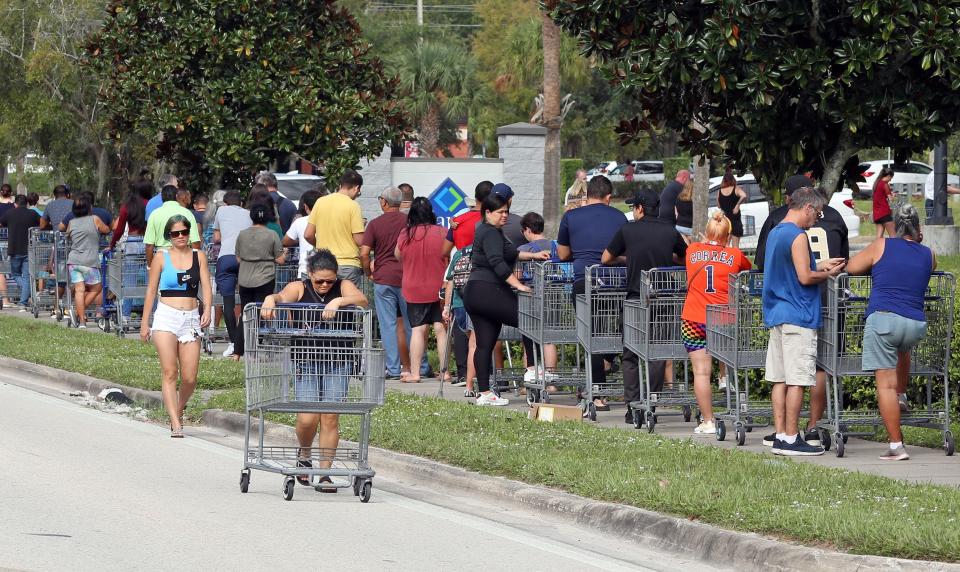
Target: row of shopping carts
603 321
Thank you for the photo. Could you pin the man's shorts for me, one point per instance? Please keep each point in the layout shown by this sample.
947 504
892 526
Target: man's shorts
424 314
87 275
322 381
693 335
792 355
885 336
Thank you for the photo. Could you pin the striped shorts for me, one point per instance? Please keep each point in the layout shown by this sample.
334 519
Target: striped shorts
694 335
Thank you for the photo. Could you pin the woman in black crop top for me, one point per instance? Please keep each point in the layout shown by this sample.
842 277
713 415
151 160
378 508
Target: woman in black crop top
326 379
179 276
488 295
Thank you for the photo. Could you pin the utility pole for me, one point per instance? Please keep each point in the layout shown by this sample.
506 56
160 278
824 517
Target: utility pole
940 186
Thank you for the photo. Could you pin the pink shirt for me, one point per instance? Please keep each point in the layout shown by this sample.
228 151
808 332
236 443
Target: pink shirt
423 263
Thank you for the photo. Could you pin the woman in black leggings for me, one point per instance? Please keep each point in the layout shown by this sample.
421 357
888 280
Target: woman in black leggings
488 296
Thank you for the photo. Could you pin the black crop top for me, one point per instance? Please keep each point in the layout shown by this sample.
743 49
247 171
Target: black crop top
176 283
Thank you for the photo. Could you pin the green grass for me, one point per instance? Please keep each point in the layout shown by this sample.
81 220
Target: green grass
128 361
726 487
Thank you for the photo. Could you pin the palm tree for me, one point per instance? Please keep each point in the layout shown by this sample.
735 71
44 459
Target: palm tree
437 80
552 120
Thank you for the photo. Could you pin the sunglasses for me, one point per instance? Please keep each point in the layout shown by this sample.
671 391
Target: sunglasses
179 233
324 282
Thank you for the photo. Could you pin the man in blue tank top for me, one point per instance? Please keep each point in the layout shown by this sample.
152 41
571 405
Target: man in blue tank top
791 311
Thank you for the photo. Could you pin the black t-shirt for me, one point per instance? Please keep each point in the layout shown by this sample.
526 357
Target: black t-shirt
513 231
831 223
668 201
18 222
647 243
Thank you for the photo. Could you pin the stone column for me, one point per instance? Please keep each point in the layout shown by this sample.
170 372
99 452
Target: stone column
521 148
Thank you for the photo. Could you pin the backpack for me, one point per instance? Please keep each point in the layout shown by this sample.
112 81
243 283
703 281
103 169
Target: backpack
462 268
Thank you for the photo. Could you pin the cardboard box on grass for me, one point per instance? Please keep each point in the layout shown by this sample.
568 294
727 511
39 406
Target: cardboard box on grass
550 412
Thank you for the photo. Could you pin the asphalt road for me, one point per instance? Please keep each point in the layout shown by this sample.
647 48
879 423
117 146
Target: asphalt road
85 489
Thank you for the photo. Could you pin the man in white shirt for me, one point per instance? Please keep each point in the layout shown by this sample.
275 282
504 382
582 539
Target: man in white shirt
928 193
296 235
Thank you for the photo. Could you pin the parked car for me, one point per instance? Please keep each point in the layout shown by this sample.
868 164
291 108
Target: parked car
602 169
642 171
755 210
293 184
908 177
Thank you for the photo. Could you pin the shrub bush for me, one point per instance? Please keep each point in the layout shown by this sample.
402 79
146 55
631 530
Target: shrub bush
673 164
568 171
625 189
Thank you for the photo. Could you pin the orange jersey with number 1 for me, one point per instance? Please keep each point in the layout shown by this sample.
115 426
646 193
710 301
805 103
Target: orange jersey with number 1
709 267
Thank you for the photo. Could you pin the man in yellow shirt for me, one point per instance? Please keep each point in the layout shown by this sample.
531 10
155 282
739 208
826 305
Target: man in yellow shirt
336 224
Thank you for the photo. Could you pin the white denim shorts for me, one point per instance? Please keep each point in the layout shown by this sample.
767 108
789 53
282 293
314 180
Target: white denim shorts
183 324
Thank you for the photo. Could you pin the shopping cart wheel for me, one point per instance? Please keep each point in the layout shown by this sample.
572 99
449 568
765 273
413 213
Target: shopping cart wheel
533 396
288 484
366 490
825 440
356 486
741 434
544 396
244 481
749 426
949 445
36 311
721 430
59 313
840 440
687 413
651 421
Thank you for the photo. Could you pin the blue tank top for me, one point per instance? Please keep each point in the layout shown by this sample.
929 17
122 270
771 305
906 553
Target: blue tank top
176 283
900 279
785 300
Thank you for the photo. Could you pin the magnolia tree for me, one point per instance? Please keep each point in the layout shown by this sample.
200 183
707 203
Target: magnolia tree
232 85
779 87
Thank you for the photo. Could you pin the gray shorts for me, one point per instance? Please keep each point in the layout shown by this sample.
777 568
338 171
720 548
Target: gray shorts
353 274
885 336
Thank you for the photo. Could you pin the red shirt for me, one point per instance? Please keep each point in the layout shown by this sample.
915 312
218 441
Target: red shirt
881 200
466 228
381 237
423 263
709 267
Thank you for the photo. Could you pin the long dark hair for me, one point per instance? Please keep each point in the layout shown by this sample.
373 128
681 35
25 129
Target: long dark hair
136 210
421 213
884 172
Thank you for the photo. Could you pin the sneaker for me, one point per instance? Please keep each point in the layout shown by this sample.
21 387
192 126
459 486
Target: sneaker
812 438
82 327
229 351
628 417
798 448
532 375
469 393
769 439
898 454
706 428
393 377
460 382
904 405
24 308
491 398
722 385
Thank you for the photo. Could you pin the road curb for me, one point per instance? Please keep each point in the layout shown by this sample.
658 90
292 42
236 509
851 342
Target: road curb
740 551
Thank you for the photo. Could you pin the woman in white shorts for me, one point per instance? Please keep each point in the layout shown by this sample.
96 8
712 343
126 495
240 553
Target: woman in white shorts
180 274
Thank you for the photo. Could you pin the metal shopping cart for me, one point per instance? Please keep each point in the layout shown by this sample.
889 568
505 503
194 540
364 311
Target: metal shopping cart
13 288
215 332
839 353
289 271
127 282
599 312
547 316
510 377
737 337
651 329
105 306
44 290
299 362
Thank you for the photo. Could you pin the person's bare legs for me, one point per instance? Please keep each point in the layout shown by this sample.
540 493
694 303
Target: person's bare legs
879 233
329 438
418 344
890 229
166 344
402 347
778 400
794 402
818 400
888 403
80 302
668 375
3 290
702 365
903 371
471 368
306 427
440 332
550 357
498 358
93 296
735 241
189 366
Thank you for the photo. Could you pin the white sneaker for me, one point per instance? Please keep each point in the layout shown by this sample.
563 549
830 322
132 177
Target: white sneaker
82 327
532 375
490 398
722 383
229 351
705 428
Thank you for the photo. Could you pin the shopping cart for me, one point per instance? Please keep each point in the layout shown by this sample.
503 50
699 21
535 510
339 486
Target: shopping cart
547 316
510 377
105 306
651 329
298 362
44 291
737 337
289 271
839 354
599 312
215 332
127 282
13 288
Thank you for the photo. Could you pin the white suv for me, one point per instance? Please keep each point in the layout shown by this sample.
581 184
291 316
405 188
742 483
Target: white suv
908 177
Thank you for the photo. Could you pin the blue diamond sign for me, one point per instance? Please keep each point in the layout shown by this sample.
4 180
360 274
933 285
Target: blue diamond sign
447 201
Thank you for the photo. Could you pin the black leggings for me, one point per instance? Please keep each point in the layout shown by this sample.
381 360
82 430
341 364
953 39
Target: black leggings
490 306
255 295
230 319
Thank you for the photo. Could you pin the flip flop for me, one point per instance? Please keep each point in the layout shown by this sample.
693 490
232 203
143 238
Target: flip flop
304 479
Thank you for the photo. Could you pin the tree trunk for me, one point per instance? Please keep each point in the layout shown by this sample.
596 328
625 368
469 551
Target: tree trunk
834 166
701 195
102 157
21 172
430 132
552 121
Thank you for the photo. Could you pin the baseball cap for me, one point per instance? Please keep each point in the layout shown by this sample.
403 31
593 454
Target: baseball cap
503 190
796 182
644 197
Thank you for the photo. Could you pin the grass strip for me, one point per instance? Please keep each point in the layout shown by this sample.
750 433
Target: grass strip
122 360
738 490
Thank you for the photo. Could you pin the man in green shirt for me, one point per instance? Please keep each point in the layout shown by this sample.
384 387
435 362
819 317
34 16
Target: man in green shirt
154 238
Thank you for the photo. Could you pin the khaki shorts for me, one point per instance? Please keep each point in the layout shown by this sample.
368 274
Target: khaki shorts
792 355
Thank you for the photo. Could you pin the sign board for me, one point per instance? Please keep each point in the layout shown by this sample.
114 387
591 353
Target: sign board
447 201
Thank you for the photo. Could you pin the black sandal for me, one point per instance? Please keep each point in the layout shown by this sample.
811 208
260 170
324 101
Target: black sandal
304 479
325 489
